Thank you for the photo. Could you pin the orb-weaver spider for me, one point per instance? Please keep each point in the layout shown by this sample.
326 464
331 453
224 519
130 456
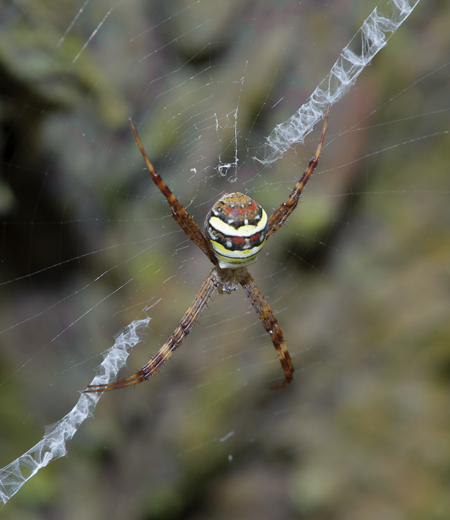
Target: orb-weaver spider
236 229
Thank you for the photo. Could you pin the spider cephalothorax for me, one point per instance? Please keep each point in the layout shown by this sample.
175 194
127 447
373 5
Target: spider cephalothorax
236 229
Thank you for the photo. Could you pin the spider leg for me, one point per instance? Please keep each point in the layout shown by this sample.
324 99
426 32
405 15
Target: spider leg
282 213
271 325
185 221
184 327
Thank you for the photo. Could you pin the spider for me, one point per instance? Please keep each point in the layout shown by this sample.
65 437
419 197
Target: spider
236 229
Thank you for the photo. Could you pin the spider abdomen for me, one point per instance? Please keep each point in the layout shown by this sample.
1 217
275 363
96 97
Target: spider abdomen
236 227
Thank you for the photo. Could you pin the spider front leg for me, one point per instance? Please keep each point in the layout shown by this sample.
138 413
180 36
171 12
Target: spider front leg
271 325
184 327
282 213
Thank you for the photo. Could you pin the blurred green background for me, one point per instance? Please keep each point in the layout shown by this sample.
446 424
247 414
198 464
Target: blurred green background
358 278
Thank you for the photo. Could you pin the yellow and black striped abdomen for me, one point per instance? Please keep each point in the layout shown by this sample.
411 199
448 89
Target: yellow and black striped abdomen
236 226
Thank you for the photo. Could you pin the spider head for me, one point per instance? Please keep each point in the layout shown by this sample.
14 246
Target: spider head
236 227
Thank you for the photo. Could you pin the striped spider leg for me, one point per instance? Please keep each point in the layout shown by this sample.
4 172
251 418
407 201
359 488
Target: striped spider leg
236 229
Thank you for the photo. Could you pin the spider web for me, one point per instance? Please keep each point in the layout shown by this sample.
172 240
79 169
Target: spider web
222 94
